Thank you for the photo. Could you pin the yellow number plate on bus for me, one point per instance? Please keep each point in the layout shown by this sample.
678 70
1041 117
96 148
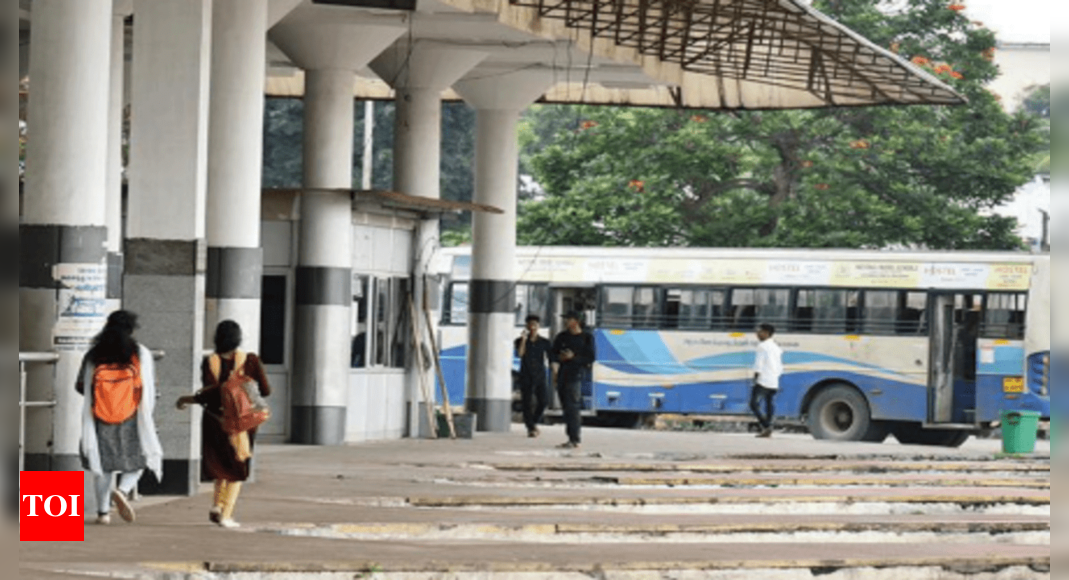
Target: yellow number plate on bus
1013 385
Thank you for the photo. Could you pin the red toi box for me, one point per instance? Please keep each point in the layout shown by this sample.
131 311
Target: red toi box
51 506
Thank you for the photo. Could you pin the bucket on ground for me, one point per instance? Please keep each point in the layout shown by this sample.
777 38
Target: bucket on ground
1019 431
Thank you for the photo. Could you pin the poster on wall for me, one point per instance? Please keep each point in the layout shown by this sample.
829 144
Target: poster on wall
82 308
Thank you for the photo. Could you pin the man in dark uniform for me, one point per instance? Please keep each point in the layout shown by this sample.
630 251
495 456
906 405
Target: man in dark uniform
533 351
574 350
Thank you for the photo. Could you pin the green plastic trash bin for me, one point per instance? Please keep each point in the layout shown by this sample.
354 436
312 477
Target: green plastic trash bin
1019 430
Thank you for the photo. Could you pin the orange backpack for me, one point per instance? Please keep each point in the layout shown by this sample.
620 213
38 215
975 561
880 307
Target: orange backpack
117 391
243 406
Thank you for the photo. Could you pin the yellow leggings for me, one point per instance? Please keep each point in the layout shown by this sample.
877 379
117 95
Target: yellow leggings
226 497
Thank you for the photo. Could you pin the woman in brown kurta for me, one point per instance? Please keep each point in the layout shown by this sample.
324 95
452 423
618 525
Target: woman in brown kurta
219 458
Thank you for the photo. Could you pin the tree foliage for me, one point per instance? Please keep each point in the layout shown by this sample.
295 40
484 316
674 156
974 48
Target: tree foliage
839 177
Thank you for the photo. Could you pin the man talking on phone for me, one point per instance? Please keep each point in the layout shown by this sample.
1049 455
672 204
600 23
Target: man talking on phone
573 350
533 351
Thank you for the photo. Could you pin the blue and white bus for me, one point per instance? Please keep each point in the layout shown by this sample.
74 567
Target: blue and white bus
930 347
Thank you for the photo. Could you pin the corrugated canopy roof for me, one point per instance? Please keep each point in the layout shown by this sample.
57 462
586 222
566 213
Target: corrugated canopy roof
702 54
781 43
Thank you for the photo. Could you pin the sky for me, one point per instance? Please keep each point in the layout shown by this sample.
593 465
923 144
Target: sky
1014 20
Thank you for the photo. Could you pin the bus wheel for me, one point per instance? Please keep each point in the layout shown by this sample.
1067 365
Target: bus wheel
914 434
840 413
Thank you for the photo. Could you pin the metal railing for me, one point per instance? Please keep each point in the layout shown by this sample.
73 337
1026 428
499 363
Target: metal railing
27 358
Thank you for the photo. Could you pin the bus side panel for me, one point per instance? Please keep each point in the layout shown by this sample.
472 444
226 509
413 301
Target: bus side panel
454 345
1002 382
889 400
641 371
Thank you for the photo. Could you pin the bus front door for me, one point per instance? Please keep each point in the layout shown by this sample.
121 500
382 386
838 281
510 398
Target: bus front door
954 336
944 334
573 299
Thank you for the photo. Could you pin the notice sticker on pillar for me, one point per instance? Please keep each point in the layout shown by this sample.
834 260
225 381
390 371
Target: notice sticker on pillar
82 305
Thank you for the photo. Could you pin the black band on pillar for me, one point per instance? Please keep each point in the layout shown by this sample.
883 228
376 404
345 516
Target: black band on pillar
492 297
146 257
235 273
42 247
324 286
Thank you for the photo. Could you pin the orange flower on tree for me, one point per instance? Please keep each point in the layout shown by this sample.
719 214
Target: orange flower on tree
956 75
822 186
920 61
956 7
860 144
989 54
699 118
637 185
588 125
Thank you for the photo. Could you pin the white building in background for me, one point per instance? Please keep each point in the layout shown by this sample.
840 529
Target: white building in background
1024 66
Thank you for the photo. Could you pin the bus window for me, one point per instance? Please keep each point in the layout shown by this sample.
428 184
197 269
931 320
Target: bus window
773 305
820 311
673 303
458 304
647 308
616 306
913 315
743 310
1004 316
531 299
879 312
538 298
699 309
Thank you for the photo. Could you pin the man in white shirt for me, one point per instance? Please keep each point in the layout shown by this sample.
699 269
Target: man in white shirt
768 368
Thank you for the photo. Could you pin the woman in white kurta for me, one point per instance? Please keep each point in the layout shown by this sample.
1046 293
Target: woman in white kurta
126 448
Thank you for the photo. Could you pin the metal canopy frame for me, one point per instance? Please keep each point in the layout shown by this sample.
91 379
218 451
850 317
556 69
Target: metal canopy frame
770 42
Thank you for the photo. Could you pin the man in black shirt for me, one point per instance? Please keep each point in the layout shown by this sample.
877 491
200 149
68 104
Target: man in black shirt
533 351
574 350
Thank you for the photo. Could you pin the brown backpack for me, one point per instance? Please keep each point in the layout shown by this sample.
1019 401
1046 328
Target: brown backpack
243 406
117 391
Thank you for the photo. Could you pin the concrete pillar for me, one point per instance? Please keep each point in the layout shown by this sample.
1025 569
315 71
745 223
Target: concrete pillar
235 145
165 251
499 100
63 266
330 43
117 100
419 73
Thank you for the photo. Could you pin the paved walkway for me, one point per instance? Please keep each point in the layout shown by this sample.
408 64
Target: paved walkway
627 501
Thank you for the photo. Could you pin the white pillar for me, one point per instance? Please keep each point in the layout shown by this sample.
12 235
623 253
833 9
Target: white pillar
499 100
330 43
62 238
235 165
420 72
165 252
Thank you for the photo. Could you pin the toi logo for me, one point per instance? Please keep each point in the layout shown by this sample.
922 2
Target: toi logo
51 506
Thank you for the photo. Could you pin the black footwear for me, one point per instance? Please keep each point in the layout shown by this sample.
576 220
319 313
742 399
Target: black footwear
766 434
568 445
533 433
215 516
